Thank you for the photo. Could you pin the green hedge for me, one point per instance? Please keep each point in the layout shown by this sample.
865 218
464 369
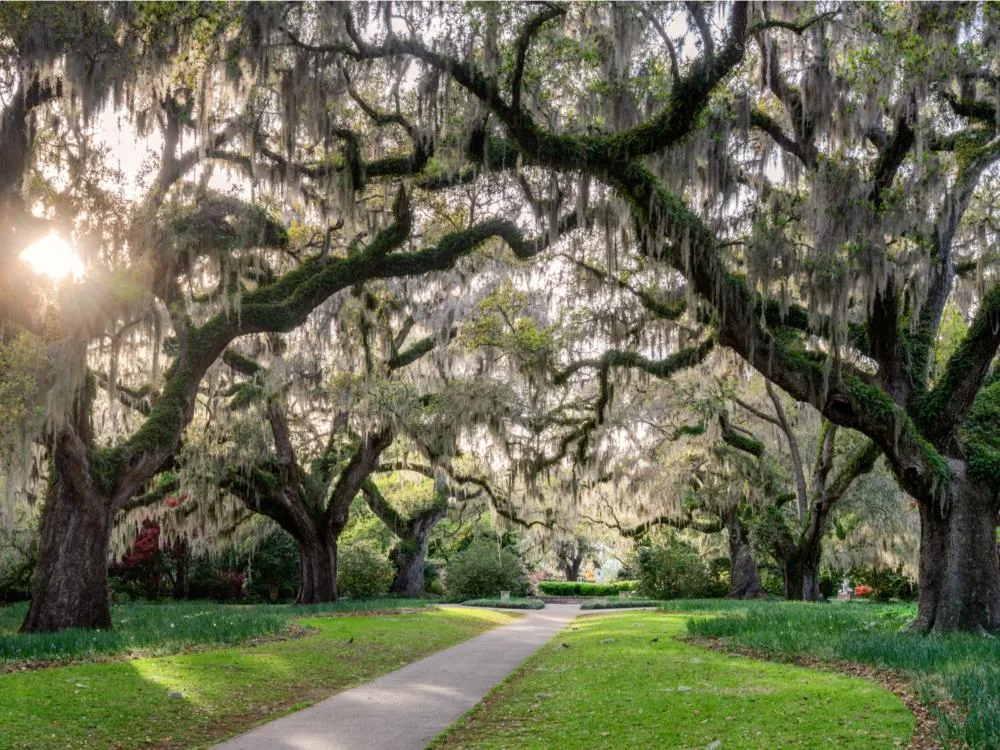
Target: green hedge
506 604
621 604
577 588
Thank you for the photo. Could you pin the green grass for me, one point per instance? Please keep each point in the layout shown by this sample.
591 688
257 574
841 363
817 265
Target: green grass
621 604
125 704
964 669
625 682
152 629
513 603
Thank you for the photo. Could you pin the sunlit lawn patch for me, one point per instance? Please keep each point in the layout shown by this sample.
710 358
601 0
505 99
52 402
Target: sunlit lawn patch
151 629
623 681
127 704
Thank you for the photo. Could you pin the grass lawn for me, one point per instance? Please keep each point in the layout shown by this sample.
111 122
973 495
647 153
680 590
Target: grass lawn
169 627
963 670
126 704
625 682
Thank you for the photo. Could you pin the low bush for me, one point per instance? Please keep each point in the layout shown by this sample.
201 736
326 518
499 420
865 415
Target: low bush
482 571
582 588
674 571
506 604
620 604
363 572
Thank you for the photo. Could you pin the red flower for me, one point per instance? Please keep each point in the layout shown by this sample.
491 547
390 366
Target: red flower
171 502
862 590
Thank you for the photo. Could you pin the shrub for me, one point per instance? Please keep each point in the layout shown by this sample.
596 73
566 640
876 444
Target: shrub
363 571
620 604
675 571
580 588
508 604
481 571
274 568
885 583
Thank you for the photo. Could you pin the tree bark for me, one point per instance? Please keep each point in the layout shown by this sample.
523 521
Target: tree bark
70 588
317 570
959 565
745 582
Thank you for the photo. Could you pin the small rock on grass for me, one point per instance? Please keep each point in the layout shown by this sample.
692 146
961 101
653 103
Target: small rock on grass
607 640
714 745
175 694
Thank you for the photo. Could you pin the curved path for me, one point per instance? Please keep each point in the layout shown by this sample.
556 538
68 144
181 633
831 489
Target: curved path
406 709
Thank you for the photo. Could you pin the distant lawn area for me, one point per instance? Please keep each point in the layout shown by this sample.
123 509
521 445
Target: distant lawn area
166 628
127 703
624 681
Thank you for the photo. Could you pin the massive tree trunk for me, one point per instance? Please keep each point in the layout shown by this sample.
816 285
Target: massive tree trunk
745 582
317 570
959 566
70 588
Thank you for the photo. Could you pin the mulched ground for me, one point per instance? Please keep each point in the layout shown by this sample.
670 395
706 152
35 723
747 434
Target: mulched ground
925 734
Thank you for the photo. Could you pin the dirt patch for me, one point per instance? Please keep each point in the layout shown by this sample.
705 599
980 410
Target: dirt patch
925 733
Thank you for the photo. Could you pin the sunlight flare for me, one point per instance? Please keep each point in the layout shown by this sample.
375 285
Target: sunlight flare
55 258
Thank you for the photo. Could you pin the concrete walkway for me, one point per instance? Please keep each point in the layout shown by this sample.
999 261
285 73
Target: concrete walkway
406 709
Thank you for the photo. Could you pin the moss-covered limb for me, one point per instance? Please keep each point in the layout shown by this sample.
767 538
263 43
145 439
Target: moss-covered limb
805 152
688 98
363 463
659 368
940 411
521 45
167 486
922 470
738 440
400 525
382 508
241 364
980 431
665 310
859 462
688 521
416 350
798 469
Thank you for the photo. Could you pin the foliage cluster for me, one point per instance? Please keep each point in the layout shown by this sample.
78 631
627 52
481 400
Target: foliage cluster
363 571
483 570
672 571
512 603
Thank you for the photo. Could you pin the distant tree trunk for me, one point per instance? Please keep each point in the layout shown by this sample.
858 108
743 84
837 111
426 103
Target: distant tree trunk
410 553
570 557
70 588
745 582
959 566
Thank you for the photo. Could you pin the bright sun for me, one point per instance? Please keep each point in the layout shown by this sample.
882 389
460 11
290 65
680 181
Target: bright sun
52 256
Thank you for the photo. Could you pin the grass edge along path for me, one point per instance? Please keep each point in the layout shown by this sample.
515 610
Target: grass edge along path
658 691
127 704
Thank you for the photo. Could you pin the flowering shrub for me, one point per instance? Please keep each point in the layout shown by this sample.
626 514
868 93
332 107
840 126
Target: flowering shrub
863 590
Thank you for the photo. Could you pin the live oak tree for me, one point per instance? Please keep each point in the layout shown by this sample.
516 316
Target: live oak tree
811 181
829 274
193 268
